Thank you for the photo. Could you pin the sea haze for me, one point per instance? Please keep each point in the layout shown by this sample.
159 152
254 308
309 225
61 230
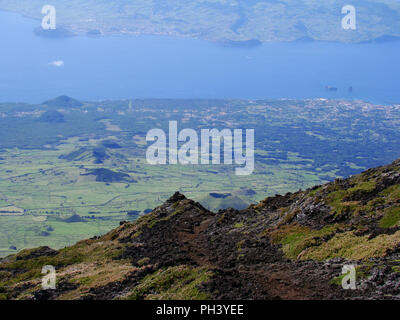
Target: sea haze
33 68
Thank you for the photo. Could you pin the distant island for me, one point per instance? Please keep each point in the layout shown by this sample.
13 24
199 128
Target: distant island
241 44
234 23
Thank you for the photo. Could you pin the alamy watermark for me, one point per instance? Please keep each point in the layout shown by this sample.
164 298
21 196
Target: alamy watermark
49 20
49 280
349 280
349 22
183 147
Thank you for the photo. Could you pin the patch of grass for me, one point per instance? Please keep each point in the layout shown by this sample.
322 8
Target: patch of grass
143 261
174 283
392 193
315 191
391 218
348 245
221 219
84 251
295 238
239 245
85 281
366 186
337 280
340 206
93 274
238 225
32 268
396 269
335 201
372 204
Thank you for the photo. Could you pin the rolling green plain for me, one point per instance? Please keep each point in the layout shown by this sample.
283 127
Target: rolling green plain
70 170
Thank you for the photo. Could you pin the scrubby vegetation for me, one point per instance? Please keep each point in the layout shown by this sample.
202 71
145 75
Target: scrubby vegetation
174 283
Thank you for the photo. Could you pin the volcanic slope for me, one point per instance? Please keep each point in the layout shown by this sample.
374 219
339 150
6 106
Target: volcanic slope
285 247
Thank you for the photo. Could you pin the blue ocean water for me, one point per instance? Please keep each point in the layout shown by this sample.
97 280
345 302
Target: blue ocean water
116 67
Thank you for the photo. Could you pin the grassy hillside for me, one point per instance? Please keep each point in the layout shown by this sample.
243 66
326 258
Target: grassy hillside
286 247
220 20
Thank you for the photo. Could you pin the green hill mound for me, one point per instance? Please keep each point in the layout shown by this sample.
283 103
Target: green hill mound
109 176
95 154
63 102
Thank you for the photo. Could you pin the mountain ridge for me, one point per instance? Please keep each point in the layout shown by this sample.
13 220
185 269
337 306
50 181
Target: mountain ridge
291 246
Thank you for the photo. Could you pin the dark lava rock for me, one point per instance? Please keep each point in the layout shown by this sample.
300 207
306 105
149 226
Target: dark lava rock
40 252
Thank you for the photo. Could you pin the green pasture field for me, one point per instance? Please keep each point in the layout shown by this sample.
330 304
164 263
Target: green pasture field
50 194
50 190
